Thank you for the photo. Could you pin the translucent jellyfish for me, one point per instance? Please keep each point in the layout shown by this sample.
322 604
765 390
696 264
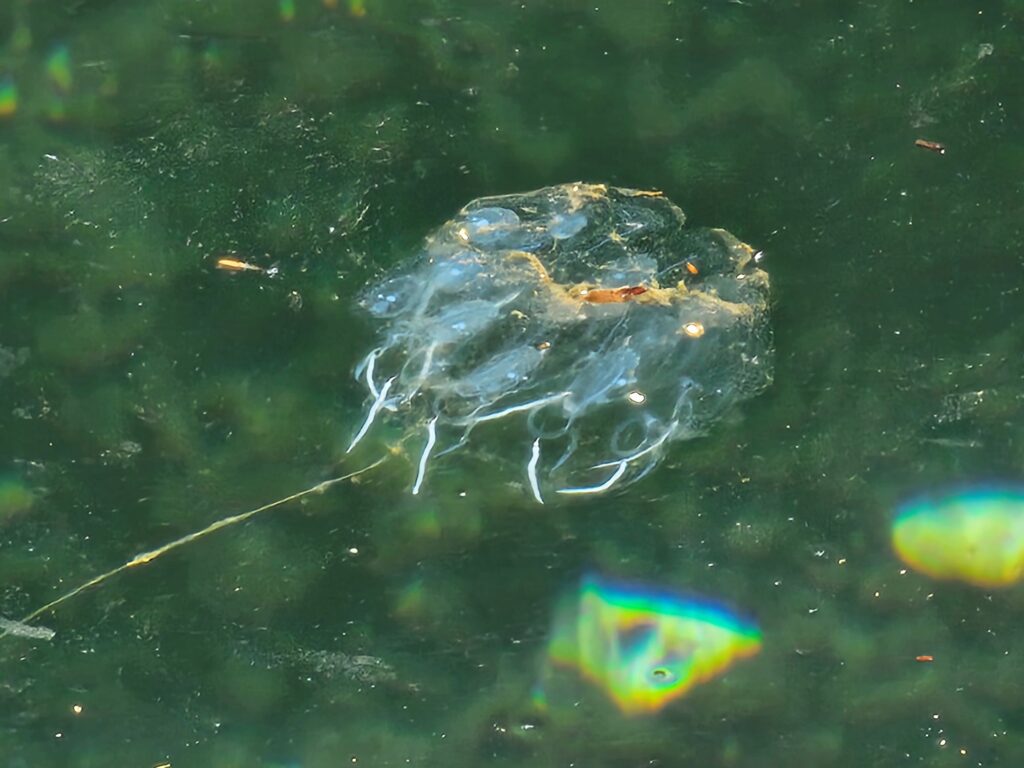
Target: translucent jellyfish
644 646
578 330
974 535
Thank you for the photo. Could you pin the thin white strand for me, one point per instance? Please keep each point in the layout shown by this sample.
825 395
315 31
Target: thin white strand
374 408
428 360
422 471
522 407
369 372
531 471
618 473
652 447
360 368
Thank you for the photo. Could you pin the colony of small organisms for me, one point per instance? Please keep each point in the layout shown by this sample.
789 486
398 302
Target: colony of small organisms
582 328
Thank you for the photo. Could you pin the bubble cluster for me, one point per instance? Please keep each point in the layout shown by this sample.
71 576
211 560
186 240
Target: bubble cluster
974 535
580 326
644 646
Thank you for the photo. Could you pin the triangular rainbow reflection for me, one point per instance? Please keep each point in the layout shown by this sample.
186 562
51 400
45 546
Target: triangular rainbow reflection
645 646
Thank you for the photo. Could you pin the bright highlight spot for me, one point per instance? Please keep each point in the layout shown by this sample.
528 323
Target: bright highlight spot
643 646
694 330
973 535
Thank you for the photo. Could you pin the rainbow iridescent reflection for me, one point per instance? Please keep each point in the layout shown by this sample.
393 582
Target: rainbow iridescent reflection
974 535
58 68
8 96
644 646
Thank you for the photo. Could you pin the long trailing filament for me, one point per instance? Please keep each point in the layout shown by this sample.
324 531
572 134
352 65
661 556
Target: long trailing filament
150 556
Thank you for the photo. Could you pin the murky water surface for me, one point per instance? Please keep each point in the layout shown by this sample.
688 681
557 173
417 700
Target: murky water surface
147 392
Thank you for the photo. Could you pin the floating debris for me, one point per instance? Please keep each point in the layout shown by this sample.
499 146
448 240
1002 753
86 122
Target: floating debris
359 668
229 264
932 146
20 629
148 557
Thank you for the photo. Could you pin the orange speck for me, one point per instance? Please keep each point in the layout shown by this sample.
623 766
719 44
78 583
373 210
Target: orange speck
236 265
692 269
932 146
611 295
924 658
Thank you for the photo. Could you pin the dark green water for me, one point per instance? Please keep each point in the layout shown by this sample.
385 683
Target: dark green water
145 393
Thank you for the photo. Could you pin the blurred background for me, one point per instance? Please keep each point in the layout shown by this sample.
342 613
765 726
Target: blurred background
145 393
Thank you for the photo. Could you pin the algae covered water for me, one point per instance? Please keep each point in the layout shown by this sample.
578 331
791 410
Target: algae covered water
196 199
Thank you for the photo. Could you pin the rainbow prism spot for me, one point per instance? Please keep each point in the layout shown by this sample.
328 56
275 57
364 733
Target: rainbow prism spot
58 68
8 96
974 535
213 57
643 646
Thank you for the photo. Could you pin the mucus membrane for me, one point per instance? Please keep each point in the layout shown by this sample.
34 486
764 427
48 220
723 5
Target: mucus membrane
578 330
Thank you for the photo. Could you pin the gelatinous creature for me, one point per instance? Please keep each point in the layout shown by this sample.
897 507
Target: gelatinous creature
582 323
974 535
644 646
